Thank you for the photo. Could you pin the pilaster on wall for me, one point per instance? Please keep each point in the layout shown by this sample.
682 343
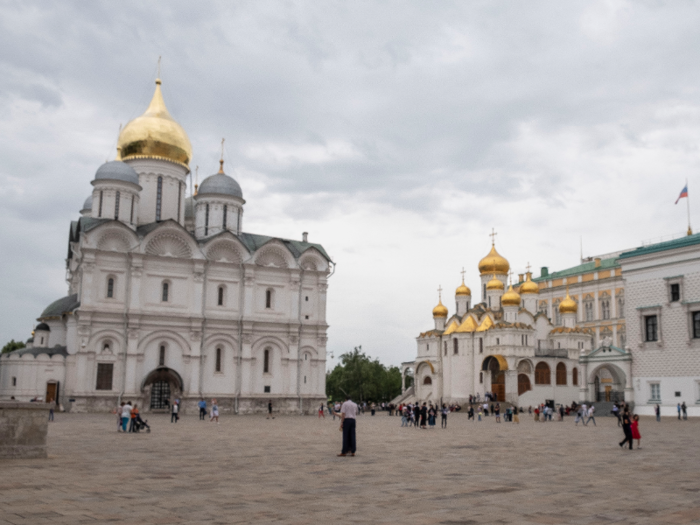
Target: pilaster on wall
132 360
246 375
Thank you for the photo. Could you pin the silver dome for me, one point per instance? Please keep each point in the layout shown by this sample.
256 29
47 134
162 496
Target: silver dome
220 184
88 203
117 170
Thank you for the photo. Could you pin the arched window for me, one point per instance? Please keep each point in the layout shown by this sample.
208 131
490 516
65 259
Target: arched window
110 288
206 220
238 221
161 356
166 291
523 384
455 344
306 357
116 206
589 311
218 359
561 374
99 209
159 198
225 215
542 374
574 376
268 298
427 381
266 361
131 216
220 301
481 345
605 305
105 347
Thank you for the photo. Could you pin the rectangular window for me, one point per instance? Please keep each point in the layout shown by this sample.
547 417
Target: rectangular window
206 220
116 206
14 381
225 215
99 211
159 198
481 345
218 359
456 347
651 328
696 325
267 389
655 391
131 216
675 293
104 376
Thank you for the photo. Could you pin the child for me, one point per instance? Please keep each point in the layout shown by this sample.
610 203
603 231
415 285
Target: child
214 411
480 411
635 430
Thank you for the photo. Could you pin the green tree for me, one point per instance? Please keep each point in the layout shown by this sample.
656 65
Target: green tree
363 379
12 346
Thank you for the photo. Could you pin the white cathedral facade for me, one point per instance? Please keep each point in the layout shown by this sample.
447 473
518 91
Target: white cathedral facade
169 298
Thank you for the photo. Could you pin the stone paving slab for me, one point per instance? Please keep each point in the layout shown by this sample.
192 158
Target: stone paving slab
252 470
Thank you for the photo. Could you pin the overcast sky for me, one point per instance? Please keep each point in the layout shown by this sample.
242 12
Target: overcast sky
396 133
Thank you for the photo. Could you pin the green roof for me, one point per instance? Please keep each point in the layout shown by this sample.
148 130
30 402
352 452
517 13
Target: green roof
587 267
688 240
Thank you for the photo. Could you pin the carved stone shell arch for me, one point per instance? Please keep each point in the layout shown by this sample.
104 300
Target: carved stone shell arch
312 260
169 244
224 250
113 240
274 256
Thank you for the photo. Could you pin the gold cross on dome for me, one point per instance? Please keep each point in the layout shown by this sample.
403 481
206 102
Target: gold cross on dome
462 272
528 267
510 275
440 292
493 236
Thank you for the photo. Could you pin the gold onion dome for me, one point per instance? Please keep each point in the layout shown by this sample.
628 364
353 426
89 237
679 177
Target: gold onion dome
440 310
494 263
568 305
510 298
494 284
529 287
155 135
463 289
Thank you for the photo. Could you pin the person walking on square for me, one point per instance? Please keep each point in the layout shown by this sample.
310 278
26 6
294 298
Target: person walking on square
679 411
214 411
348 414
657 412
431 416
424 416
118 411
404 417
635 431
627 429
470 413
497 412
443 414
173 414
126 415
684 408
479 414
269 410
416 415
616 413
134 415
591 416
320 412
202 409
516 417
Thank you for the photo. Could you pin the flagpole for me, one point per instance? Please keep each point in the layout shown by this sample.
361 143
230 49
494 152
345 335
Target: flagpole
687 199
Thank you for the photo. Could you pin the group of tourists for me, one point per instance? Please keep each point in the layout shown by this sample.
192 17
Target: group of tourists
128 415
213 415
422 416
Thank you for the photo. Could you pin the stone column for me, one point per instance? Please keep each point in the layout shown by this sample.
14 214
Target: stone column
583 381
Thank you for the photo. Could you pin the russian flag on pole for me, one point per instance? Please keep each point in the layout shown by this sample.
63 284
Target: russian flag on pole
684 193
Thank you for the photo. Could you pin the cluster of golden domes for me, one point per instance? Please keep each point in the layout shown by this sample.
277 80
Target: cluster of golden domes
155 135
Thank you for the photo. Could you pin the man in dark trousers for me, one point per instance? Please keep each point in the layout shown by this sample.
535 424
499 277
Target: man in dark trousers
348 413
627 428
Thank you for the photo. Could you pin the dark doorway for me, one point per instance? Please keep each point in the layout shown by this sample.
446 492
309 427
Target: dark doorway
160 394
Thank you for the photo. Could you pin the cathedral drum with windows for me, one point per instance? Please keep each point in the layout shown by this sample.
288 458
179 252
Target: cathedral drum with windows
168 298
502 345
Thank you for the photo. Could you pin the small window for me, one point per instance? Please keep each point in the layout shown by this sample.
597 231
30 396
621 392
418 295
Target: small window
574 376
651 328
99 210
266 361
218 359
304 379
161 356
307 299
655 389
481 345
455 344
206 220
306 317
110 288
159 198
225 215
105 348
306 357
498 341
165 292
104 376
696 325
42 340
131 215
427 381
268 299
267 389
220 300
481 377
116 206
675 293
445 349
14 381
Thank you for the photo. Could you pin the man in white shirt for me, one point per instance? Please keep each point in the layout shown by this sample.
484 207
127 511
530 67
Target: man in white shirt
591 416
126 415
348 413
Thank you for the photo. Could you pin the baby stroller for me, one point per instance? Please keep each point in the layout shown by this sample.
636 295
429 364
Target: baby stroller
140 424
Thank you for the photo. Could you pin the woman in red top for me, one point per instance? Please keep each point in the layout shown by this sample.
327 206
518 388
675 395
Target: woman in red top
635 430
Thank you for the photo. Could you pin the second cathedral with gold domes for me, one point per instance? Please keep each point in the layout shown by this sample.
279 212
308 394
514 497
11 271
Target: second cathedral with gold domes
169 298
499 344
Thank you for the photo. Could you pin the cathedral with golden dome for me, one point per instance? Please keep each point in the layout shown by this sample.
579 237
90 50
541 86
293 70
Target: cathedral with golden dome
170 298
504 345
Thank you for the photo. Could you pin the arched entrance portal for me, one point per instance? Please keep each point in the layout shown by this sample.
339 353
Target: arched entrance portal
497 365
160 386
608 384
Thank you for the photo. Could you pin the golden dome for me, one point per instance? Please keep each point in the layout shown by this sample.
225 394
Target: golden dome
440 310
510 298
528 286
494 263
568 305
494 284
155 135
463 289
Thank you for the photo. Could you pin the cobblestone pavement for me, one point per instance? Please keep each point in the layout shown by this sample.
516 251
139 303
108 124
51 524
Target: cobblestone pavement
252 470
